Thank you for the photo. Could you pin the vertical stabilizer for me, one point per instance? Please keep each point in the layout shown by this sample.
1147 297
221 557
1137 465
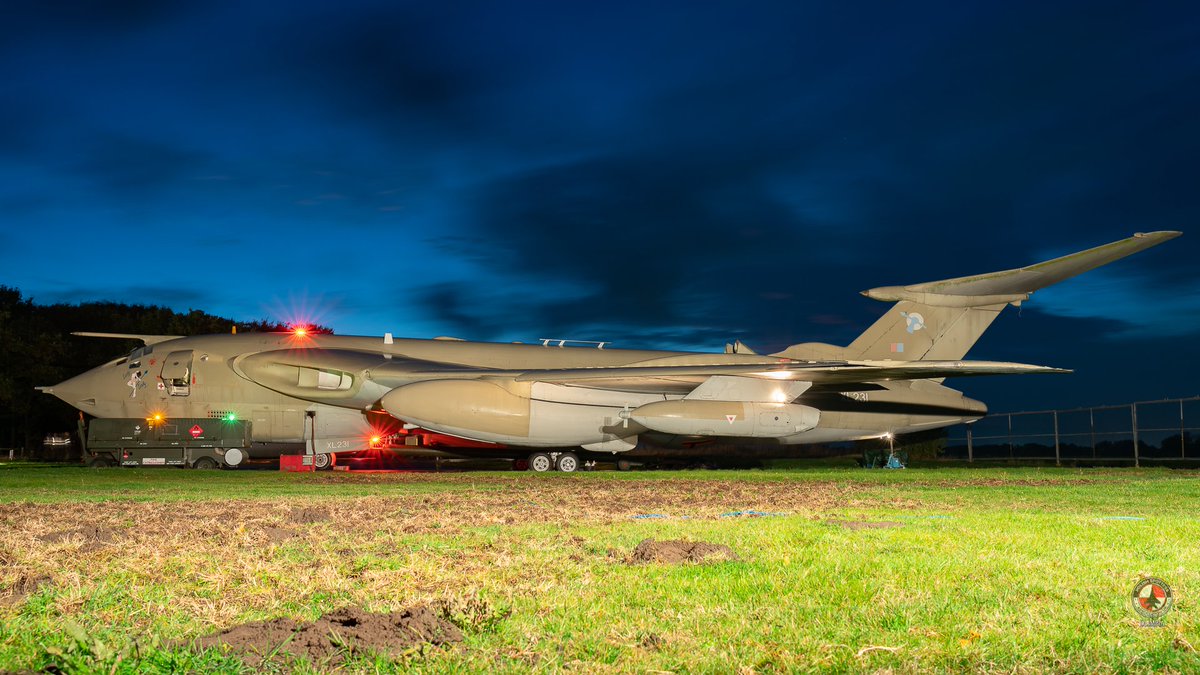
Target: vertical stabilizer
943 319
912 331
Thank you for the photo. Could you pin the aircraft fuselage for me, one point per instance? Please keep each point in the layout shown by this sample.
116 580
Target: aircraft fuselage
336 392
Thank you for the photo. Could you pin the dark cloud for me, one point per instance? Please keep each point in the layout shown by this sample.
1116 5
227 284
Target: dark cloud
134 167
636 245
399 69
35 20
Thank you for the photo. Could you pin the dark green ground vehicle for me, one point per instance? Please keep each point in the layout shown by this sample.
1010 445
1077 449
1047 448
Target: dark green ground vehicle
201 443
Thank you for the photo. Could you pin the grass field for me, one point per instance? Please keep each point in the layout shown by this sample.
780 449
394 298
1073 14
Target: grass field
1004 570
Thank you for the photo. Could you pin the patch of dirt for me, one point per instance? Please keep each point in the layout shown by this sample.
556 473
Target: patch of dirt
278 535
26 586
465 500
326 640
865 524
93 536
303 515
652 642
677 551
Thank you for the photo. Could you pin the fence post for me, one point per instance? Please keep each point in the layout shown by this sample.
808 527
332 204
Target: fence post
1010 443
970 447
1182 436
1133 420
1092 423
1057 453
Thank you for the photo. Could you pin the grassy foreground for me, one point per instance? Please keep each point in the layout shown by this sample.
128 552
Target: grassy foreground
1013 570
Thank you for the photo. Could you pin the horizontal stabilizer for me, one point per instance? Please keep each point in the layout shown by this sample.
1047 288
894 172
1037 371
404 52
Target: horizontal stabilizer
146 339
1013 286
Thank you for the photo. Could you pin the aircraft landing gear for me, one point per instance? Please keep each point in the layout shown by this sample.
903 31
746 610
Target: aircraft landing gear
540 462
323 461
567 462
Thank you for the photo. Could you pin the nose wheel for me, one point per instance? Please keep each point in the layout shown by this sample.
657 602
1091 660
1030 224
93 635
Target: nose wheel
567 462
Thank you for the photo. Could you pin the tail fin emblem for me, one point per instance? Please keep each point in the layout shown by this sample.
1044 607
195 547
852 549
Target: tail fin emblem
914 321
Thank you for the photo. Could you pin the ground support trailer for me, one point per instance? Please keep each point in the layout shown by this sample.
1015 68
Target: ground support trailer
200 443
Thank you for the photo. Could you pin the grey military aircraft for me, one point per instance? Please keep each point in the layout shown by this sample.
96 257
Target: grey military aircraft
330 394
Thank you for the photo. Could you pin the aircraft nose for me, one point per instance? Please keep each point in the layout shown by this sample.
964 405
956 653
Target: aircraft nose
78 391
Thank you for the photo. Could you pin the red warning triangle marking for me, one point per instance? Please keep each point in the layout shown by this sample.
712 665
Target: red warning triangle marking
730 418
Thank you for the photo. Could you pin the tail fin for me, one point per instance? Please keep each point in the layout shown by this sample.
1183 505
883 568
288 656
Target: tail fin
943 319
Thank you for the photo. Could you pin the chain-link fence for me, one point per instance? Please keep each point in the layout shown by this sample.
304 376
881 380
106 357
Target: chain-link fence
1146 432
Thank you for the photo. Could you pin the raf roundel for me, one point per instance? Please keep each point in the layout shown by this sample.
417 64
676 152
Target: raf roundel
913 321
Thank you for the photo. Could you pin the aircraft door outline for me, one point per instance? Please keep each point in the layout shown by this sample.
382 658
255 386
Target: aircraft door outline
177 373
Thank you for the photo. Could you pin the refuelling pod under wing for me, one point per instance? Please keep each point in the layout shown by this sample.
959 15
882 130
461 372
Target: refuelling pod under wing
727 418
508 412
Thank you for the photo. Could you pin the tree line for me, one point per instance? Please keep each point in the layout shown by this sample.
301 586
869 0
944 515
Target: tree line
37 349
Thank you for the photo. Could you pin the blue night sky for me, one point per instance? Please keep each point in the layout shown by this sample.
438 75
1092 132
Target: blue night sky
660 174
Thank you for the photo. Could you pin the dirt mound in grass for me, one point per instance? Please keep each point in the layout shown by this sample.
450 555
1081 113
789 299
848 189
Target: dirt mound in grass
92 536
308 514
26 586
278 535
327 639
677 551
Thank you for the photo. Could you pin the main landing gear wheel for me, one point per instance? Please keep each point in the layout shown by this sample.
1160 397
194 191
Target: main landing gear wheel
323 461
540 462
568 462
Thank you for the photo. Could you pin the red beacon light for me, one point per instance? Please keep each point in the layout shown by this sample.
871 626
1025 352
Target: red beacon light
300 331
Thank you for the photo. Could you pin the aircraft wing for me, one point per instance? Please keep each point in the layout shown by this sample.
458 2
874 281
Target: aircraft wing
359 378
820 372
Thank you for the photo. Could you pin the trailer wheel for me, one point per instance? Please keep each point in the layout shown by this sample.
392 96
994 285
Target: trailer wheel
205 463
99 462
